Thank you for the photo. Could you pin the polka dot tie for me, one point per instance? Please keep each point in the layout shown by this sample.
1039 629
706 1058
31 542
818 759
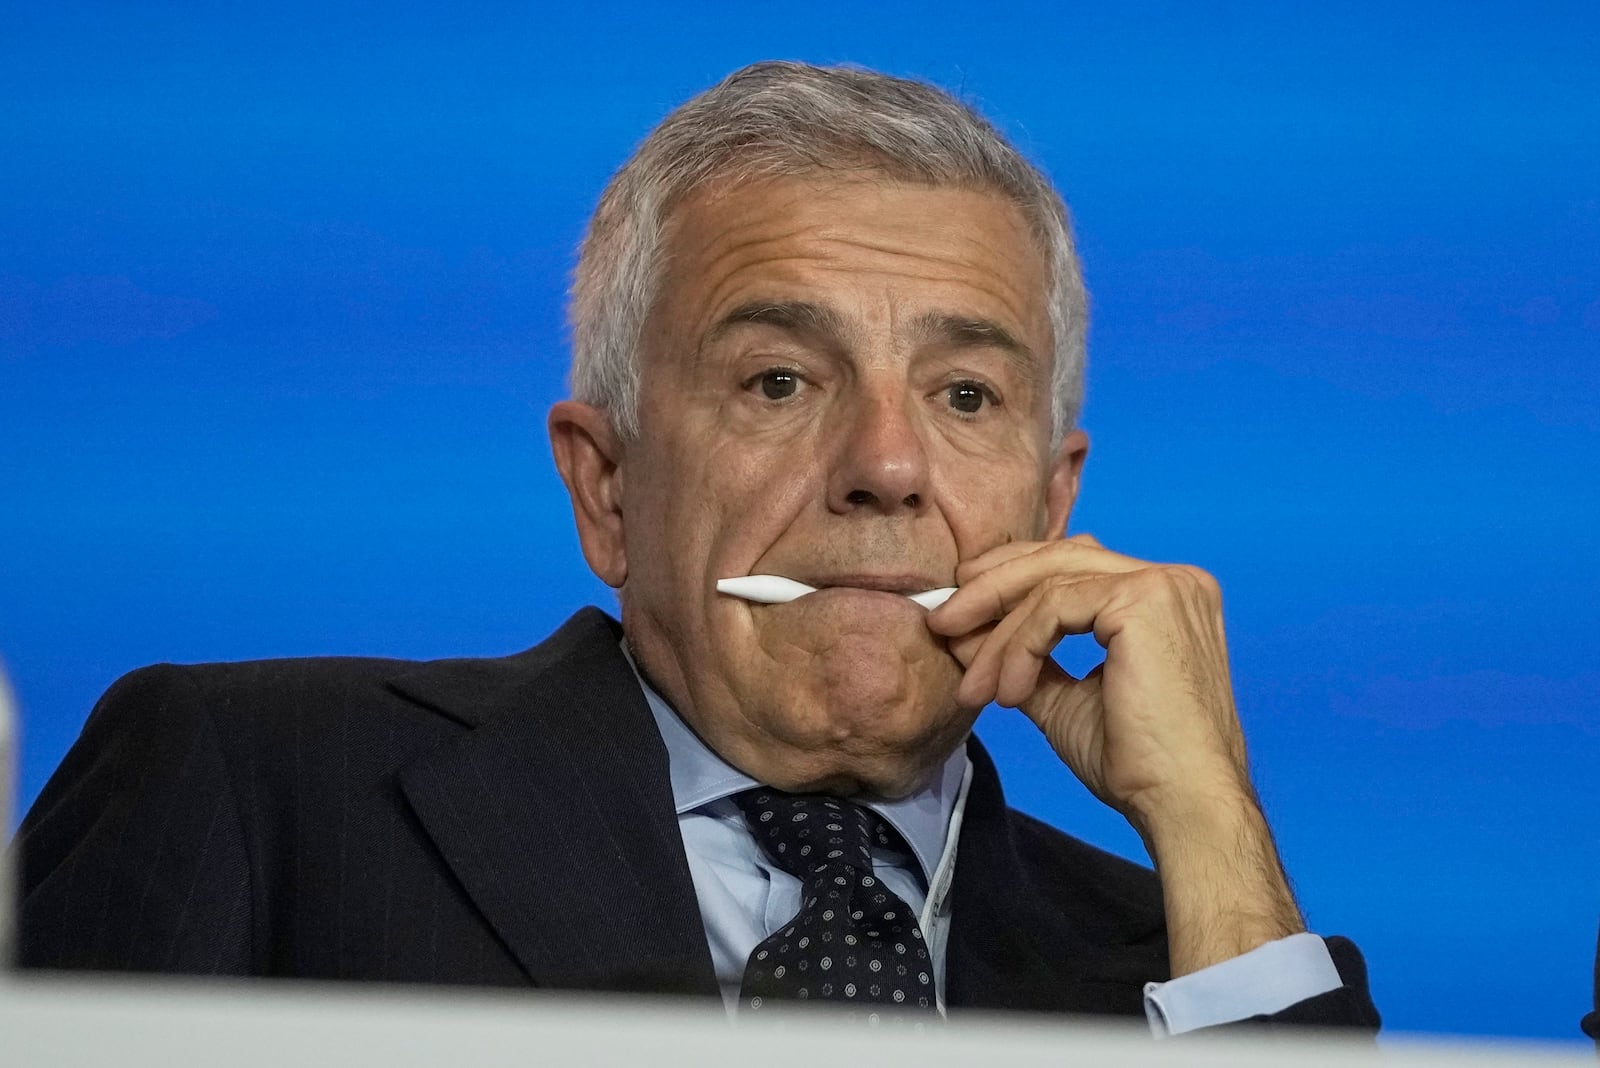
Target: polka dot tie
854 940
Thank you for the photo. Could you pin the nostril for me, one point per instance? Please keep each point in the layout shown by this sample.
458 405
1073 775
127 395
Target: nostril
912 500
859 497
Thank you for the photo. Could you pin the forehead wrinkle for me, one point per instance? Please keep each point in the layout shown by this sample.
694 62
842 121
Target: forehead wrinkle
755 253
753 277
963 322
955 271
800 317
690 251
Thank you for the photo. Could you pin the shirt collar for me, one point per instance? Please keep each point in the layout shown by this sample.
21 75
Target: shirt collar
699 777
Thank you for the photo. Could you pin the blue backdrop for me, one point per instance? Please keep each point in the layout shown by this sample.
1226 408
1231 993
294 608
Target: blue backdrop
280 317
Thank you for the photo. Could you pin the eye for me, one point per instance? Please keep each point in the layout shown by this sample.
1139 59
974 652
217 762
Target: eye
969 398
779 383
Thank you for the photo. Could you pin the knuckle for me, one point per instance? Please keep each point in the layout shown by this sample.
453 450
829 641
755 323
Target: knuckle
1052 583
1201 579
1191 577
1051 588
1182 582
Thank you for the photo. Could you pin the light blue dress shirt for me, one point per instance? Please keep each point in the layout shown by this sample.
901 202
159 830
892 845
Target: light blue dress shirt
744 897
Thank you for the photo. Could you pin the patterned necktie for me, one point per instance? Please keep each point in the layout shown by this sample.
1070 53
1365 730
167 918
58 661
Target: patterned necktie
854 940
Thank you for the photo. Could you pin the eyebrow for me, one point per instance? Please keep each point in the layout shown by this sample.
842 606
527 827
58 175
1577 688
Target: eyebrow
961 331
795 316
803 317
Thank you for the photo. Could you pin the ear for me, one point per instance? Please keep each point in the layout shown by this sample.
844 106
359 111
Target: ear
1061 492
589 456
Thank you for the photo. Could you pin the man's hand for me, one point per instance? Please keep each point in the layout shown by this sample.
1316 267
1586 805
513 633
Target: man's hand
1152 731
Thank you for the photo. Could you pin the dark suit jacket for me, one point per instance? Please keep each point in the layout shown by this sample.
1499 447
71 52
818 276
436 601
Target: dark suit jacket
1591 1021
506 822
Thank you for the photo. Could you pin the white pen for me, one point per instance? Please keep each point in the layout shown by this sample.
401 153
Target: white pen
775 589
764 589
931 599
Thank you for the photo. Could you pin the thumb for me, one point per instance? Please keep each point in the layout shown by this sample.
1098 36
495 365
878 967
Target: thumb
964 647
1067 712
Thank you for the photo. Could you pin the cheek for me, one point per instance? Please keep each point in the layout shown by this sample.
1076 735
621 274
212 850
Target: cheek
993 509
991 482
761 486
720 505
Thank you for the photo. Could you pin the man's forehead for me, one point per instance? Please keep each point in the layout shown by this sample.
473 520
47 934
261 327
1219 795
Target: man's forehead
778 193
765 253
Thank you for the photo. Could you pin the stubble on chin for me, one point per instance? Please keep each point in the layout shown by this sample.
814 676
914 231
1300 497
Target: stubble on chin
824 699
853 709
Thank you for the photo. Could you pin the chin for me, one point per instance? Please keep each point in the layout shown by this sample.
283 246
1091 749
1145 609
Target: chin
833 704
888 776
862 717
887 749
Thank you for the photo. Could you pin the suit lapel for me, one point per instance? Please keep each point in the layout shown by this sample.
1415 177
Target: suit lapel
991 962
555 812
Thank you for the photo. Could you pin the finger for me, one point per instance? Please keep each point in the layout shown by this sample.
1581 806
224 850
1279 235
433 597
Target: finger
992 593
1061 605
965 647
1018 677
967 572
980 683
1039 624
969 569
1059 697
1067 711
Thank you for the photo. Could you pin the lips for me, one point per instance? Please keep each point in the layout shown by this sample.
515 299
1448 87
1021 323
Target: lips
903 584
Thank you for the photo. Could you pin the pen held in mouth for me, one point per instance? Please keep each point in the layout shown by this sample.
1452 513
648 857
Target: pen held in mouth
764 589
931 599
775 589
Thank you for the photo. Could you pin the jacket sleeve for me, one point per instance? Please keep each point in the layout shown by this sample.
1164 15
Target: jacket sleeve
1349 1006
1591 1021
134 858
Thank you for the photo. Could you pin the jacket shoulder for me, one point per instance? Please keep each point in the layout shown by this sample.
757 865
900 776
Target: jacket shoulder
212 817
308 692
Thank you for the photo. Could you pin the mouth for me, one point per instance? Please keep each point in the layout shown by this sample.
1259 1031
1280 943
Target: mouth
903 584
777 589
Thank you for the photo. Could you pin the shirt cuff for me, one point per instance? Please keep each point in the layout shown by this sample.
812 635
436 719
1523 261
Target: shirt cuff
1267 979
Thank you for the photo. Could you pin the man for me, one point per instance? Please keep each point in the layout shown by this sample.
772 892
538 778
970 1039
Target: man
1590 1023
828 326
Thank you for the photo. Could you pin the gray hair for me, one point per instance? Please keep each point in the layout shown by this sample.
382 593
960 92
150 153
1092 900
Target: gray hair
782 119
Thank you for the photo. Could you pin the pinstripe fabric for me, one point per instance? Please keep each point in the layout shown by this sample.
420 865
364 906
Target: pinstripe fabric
244 819
250 819
143 800
1591 1021
500 822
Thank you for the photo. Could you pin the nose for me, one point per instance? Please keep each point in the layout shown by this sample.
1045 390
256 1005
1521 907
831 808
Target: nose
881 462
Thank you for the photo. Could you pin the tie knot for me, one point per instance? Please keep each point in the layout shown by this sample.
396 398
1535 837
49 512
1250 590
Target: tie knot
807 833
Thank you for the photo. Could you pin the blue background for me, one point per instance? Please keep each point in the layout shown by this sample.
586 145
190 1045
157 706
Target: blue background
280 318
